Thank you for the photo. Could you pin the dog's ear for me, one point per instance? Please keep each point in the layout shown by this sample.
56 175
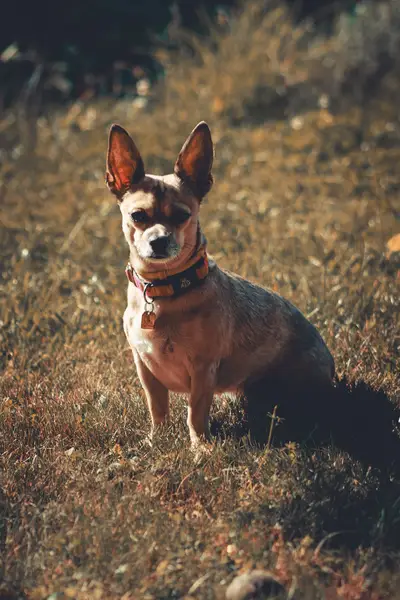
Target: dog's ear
124 163
195 160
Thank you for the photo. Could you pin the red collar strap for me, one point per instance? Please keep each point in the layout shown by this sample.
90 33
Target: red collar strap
171 283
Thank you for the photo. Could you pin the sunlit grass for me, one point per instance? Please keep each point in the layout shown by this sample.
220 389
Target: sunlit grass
91 509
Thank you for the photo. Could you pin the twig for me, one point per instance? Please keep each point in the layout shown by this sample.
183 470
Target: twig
271 427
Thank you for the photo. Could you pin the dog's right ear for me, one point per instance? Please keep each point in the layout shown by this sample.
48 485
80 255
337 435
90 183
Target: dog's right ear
124 163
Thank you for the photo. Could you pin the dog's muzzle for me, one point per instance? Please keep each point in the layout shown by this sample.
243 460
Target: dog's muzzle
161 246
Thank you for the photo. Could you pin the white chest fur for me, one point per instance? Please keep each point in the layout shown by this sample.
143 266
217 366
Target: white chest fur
159 349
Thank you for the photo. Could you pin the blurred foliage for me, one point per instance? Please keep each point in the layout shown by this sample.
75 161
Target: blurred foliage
95 43
60 52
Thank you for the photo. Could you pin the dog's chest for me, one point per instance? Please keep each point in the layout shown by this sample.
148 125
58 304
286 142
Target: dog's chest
160 349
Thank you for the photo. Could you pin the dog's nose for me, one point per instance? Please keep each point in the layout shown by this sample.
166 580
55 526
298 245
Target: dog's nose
160 245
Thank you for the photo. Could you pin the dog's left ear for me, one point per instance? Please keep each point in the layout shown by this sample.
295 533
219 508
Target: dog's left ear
195 160
124 163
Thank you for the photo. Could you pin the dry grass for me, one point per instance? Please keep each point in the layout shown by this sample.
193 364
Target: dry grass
89 509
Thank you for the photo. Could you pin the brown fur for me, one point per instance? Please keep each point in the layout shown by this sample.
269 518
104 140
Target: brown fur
221 336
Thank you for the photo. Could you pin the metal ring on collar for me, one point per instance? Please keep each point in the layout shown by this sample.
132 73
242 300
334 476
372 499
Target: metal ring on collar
146 299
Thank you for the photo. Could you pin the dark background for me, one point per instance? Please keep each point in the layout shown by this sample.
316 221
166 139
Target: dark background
95 43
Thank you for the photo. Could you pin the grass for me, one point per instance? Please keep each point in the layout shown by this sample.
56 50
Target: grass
88 509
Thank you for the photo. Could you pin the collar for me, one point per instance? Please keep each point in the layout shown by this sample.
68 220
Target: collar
171 283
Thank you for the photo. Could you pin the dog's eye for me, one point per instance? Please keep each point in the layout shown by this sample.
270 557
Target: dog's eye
140 216
180 216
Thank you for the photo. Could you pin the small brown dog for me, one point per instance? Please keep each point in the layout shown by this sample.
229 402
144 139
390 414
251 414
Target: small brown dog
193 327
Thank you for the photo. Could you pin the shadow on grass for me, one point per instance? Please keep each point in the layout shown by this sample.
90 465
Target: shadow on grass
352 417
331 495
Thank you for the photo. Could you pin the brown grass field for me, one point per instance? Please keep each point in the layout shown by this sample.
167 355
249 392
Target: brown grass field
304 205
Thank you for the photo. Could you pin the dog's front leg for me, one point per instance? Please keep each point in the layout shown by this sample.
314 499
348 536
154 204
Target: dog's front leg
156 394
201 394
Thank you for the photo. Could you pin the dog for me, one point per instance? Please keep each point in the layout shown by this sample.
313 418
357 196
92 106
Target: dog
193 327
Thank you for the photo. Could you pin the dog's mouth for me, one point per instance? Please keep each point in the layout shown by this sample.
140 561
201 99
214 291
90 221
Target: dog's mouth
165 254
155 256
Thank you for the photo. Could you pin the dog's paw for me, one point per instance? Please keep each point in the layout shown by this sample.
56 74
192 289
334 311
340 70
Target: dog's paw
201 449
149 440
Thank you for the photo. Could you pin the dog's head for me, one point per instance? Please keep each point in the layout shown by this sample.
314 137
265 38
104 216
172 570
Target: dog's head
160 213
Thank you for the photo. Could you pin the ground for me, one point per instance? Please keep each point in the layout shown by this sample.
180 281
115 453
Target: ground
305 205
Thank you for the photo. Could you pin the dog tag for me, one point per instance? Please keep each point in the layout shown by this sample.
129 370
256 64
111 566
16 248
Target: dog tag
148 319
